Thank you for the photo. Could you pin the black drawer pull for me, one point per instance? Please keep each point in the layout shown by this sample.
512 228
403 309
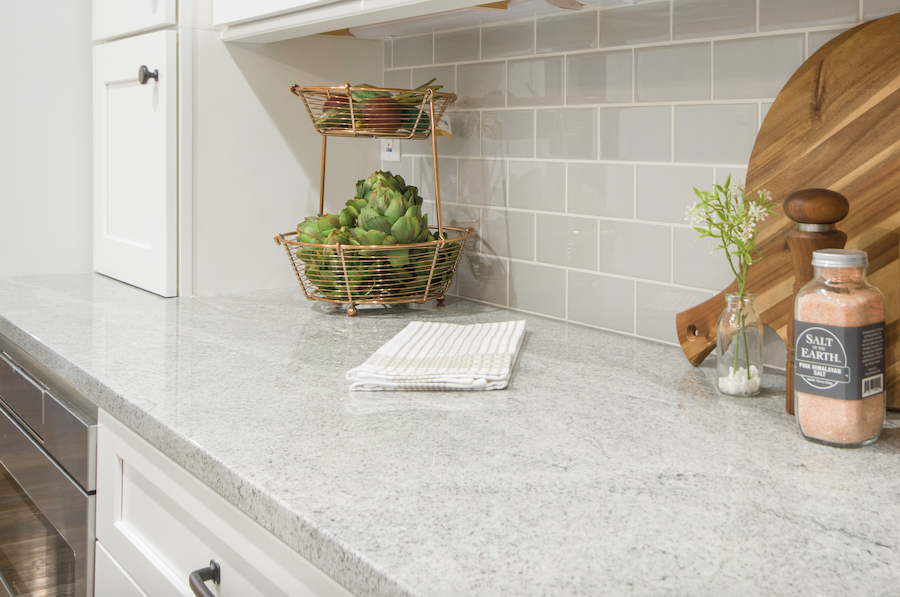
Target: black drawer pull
199 577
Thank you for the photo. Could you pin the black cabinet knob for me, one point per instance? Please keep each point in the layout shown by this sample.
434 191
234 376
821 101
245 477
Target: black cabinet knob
145 75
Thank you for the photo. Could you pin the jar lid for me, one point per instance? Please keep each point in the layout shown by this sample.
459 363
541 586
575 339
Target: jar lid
840 258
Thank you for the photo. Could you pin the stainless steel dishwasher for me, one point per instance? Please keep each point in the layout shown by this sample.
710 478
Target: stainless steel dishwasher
48 445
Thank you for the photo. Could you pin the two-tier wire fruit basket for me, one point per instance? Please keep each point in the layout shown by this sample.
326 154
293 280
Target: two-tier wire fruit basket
351 274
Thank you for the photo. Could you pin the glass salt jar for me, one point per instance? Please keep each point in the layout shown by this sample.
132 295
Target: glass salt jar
839 348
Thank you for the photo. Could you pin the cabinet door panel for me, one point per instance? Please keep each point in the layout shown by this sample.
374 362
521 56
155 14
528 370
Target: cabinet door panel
118 18
160 523
135 162
109 578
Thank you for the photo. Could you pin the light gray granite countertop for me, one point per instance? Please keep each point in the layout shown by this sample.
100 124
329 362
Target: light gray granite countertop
610 465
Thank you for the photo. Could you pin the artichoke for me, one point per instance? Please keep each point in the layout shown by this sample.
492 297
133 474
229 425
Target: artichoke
385 214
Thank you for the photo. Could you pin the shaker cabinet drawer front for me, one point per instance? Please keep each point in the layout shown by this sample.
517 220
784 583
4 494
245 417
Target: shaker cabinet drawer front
135 161
117 18
160 524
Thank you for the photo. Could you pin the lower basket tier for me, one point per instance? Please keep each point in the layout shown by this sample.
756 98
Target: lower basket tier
376 274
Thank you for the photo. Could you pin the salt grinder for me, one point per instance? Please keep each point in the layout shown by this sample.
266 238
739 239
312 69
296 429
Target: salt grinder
816 212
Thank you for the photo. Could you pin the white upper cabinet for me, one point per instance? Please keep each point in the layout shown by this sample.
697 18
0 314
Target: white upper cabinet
135 162
231 12
112 19
265 21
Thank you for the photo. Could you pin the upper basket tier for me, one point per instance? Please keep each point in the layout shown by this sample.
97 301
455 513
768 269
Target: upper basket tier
373 111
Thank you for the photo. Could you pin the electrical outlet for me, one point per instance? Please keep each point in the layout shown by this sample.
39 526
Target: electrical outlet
390 150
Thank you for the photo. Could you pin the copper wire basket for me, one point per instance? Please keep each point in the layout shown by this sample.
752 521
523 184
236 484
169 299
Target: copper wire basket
396 114
376 274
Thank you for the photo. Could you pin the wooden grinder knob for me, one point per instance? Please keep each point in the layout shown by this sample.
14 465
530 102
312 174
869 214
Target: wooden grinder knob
816 212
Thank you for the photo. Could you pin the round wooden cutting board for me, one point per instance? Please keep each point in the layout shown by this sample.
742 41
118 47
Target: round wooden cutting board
835 125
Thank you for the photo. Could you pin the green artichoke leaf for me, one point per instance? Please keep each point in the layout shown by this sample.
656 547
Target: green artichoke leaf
366 214
361 95
406 229
347 217
379 223
394 210
373 237
328 222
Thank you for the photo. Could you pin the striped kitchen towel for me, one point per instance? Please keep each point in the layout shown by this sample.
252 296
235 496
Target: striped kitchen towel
442 356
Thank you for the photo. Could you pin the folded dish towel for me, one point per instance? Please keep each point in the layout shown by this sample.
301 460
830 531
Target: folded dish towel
443 356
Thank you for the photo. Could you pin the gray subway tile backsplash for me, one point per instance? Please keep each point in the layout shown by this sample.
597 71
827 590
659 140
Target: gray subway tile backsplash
638 24
600 189
695 263
641 134
537 288
539 186
817 39
443 75
712 18
398 79
483 278
423 177
507 134
413 51
713 134
535 82
457 46
505 41
672 73
603 301
599 78
567 33
567 134
482 182
875 9
665 192
507 233
579 134
567 240
481 85
636 249
756 67
775 15
657 306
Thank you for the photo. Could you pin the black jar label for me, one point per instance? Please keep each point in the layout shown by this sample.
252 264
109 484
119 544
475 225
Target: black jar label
839 362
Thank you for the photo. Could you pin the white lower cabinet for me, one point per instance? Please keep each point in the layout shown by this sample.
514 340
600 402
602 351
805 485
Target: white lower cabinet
157 523
109 578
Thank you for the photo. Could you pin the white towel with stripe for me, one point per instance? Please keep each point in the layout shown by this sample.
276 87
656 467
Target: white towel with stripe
442 356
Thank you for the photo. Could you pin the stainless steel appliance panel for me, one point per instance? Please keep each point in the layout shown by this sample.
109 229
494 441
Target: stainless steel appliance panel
70 440
62 501
22 395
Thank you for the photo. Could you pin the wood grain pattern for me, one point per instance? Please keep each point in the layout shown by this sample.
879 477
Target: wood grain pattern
835 125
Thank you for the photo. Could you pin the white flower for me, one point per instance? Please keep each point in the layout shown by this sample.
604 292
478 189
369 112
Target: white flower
756 212
696 215
745 231
765 196
735 191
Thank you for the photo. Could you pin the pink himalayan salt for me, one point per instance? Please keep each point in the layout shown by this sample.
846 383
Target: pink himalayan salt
830 419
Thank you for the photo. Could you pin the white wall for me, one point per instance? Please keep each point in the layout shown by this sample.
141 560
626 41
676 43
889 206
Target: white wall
257 156
45 137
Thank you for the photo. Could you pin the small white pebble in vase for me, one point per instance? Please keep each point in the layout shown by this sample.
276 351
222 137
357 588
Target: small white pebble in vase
737 382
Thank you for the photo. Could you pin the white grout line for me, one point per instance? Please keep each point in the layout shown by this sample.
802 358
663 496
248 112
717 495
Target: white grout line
671 20
712 71
672 133
757 16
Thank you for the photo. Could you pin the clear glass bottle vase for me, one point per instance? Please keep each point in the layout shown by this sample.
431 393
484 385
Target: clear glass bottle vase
739 347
